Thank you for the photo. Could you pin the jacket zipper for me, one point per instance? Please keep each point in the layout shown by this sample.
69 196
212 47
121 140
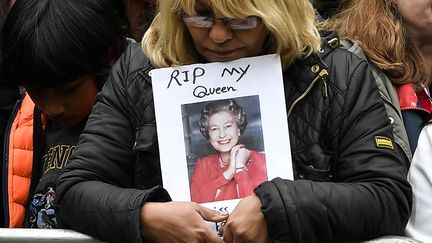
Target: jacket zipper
6 162
322 74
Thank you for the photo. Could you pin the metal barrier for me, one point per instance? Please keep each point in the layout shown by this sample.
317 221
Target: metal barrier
44 236
393 239
70 236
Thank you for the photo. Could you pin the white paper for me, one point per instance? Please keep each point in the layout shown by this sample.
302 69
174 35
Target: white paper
255 83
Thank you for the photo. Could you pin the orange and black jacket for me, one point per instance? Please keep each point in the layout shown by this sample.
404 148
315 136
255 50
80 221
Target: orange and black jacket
22 147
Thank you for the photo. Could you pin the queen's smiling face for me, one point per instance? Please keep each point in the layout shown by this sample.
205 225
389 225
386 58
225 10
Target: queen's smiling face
223 131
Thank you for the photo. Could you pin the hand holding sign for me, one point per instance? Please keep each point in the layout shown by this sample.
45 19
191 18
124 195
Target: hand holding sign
246 223
179 222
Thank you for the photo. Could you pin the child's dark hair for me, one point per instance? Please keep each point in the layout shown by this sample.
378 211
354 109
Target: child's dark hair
53 42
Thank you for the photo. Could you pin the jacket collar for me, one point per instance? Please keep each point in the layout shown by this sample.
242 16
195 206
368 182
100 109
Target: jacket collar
302 73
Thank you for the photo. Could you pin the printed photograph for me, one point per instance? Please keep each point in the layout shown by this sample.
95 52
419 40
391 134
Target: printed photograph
224 148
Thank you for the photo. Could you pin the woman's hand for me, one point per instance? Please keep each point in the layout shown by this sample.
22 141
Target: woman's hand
179 222
246 223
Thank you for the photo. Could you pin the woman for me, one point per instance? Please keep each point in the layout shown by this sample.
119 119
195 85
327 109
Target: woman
233 171
394 36
350 179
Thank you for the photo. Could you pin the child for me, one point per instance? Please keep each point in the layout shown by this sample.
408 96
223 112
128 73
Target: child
60 52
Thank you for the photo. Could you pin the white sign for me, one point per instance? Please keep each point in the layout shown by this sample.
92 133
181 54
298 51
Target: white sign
222 129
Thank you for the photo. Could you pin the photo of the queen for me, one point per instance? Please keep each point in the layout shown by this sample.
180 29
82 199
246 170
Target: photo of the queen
232 170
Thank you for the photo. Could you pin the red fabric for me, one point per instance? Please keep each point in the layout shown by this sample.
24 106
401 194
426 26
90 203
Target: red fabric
407 96
208 183
411 99
425 101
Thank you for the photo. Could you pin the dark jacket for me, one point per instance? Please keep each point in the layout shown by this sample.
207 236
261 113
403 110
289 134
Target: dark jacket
350 177
9 94
389 94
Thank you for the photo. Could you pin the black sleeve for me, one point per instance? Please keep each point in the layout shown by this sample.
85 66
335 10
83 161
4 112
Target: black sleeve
94 193
369 195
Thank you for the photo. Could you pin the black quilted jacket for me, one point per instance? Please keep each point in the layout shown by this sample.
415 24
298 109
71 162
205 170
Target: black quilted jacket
348 185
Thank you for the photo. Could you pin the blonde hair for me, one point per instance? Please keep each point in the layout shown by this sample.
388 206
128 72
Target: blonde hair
290 23
378 28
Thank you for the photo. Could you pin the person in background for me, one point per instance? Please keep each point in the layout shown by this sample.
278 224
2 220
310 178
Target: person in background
135 15
9 93
233 171
61 53
394 37
349 176
327 8
420 177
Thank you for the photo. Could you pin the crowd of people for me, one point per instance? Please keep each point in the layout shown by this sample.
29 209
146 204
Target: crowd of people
79 142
